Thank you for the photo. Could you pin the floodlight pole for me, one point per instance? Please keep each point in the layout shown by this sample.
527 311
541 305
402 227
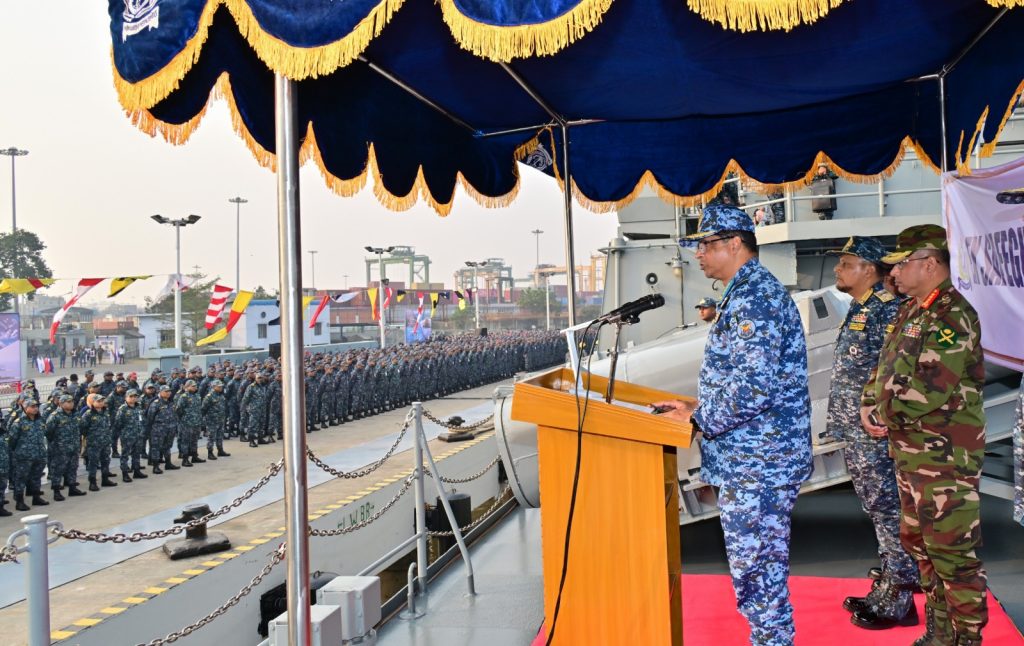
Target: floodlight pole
177 286
289 257
238 202
536 267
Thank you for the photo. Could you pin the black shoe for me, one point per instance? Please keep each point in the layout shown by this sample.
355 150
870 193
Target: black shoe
107 482
4 512
157 470
115 454
57 495
39 501
196 459
109 474
19 503
263 440
253 444
92 485
125 477
74 491
210 455
139 475
222 453
323 425
185 462
871 619
271 439
170 466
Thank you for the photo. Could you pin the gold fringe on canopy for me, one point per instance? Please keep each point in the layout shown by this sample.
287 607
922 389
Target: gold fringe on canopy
293 62
1009 4
764 15
502 44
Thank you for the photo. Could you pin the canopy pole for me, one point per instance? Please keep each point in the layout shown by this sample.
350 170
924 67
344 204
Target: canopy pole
289 258
570 255
942 122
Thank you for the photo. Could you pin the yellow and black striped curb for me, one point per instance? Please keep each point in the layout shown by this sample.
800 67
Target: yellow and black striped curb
196 569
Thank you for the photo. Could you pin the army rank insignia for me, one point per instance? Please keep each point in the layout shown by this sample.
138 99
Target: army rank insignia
746 327
946 337
912 330
884 295
858 321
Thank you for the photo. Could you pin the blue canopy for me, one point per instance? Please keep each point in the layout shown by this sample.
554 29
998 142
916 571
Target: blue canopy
664 95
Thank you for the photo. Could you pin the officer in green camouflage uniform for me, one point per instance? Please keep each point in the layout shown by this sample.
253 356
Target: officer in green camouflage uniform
926 394
64 442
128 427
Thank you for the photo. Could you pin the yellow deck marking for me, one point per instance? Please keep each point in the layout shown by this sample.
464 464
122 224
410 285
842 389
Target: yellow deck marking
175 580
210 563
134 600
259 541
226 556
61 634
273 534
314 516
244 548
88 621
332 507
155 590
112 610
195 571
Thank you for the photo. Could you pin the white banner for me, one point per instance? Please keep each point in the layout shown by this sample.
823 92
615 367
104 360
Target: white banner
984 217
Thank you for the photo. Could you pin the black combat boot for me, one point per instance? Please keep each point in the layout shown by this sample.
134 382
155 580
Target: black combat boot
963 639
92 485
222 453
114 453
157 470
170 466
19 502
196 459
323 425
253 444
859 604
74 491
185 462
937 630
108 474
57 495
107 481
38 500
210 455
4 512
125 477
138 474
894 607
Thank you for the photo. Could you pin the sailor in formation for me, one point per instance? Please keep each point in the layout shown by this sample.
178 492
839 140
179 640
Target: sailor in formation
753 413
860 274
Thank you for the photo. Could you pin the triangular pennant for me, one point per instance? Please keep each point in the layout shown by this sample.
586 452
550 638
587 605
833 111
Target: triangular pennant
84 286
401 294
23 285
372 293
433 302
237 308
119 284
320 308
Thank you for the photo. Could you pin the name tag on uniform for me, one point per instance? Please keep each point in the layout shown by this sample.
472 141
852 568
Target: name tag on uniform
912 330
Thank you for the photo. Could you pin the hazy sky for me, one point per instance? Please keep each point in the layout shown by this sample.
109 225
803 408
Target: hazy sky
91 181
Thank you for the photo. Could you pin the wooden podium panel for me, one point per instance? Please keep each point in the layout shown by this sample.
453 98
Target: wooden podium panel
622 585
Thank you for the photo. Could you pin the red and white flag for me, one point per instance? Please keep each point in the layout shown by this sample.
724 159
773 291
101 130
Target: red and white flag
387 297
324 300
419 313
217 301
84 286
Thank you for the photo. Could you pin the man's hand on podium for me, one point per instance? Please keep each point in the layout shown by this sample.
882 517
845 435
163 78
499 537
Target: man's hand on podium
676 409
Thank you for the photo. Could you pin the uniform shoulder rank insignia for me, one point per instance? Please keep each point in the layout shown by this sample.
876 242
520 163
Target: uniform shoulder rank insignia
946 336
912 330
884 295
746 328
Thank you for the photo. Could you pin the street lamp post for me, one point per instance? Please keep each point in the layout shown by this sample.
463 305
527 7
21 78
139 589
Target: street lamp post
547 299
312 267
238 202
177 224
476 296
380 251
13 153
536 267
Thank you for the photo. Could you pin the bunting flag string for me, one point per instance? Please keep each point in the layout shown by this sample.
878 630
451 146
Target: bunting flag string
344 297
372 293
119 284
387 297
84 286
462 300
218 299
237 308
320 308
24 285
183 282
433 303
401 294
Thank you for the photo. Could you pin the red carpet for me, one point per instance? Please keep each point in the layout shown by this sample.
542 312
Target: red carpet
710 617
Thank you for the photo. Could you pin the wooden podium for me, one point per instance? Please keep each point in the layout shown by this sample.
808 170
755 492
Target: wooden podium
622 585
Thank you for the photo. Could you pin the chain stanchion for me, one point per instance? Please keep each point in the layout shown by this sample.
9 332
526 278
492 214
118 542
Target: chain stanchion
8 554
478 474
363 523
499 501
453 427
361 473
137 537
275 558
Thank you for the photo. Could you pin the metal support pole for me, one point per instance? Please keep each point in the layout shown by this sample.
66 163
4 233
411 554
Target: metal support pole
942 121
380 299
881 197
14 201
476 297
570 257
444 502
289 257
37 576
547 300
177 287
421 505
238 247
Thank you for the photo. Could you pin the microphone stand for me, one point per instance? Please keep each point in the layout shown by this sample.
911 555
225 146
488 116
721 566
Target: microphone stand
614 354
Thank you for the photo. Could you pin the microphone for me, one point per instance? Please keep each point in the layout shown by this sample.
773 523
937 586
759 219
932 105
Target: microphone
630 312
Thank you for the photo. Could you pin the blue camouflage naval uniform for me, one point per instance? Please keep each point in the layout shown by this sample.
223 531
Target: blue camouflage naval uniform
871 469
754 412
1018 460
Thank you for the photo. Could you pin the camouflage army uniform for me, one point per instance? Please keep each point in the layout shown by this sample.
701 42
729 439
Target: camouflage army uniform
114 402
128 427
754 412
163 426
927 391
188 408
1018 460
95 428
254 407
64 439
215 415
275 421
5 467
27 439
867 458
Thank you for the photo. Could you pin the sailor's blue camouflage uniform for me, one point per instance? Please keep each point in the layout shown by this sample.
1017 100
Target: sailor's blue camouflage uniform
867 459
754 412
1018 460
